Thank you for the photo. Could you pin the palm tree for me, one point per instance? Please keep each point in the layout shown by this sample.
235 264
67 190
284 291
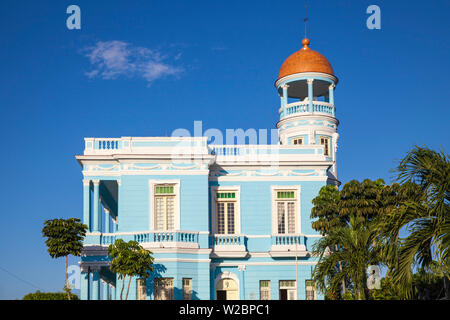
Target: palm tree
426 216
356 252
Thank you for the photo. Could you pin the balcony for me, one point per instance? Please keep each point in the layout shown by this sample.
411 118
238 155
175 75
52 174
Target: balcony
302 108
266 153
288 245
228 246
146 146
148 239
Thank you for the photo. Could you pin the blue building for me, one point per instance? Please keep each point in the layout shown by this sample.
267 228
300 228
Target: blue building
222 221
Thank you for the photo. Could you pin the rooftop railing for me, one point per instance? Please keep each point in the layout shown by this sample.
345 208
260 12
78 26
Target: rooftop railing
297 108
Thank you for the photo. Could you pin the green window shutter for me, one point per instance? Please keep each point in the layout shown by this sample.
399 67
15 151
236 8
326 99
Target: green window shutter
164 189
285 194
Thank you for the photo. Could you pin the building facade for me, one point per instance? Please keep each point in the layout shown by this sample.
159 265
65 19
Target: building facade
222 221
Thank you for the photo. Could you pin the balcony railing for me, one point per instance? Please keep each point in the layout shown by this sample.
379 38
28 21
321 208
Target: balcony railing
178 237
287 240
227 240
303 108
288 245
266 153
146 145
228 246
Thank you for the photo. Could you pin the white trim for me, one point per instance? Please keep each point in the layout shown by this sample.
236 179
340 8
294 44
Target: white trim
306 75
271 178
152 183
275 263
142 232
181 260
171 244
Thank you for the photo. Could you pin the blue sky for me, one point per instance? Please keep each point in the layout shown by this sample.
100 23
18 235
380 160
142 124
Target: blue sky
214 61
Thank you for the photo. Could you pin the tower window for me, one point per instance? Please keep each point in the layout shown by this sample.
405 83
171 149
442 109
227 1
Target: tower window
325 141
297 141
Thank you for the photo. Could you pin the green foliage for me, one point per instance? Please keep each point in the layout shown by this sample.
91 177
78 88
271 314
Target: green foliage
425 175
49 296
356 252
326 209
360 199
388 291
64 236
130 259
348 296
419 204
332 295
428 284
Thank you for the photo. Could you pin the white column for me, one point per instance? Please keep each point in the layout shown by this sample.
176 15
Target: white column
87 203
107 220
97 215
310 94
331 95
285 98
119 202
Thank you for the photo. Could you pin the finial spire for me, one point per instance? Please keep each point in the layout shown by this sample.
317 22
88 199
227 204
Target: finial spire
305 41
306 19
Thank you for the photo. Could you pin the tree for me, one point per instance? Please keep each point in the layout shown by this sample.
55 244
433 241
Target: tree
356 252
326 210
64 237
426 217
361 199
49 296
130 259
333 209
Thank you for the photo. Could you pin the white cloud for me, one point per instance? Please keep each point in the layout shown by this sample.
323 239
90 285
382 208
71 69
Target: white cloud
112 59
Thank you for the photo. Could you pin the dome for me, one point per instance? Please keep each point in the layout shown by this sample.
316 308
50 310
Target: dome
305 60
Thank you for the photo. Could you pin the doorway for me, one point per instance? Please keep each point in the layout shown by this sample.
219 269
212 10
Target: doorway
227 289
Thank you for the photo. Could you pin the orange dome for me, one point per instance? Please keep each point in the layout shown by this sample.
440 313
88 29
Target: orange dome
305 60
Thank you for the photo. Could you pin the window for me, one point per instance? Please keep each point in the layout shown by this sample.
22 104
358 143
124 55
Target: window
225 212
187 289
164 207
310 290
297 141
288 290
325 141
264 290
141 289
163 288
286 211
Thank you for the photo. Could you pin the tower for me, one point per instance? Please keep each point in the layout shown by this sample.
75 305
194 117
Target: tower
306 84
